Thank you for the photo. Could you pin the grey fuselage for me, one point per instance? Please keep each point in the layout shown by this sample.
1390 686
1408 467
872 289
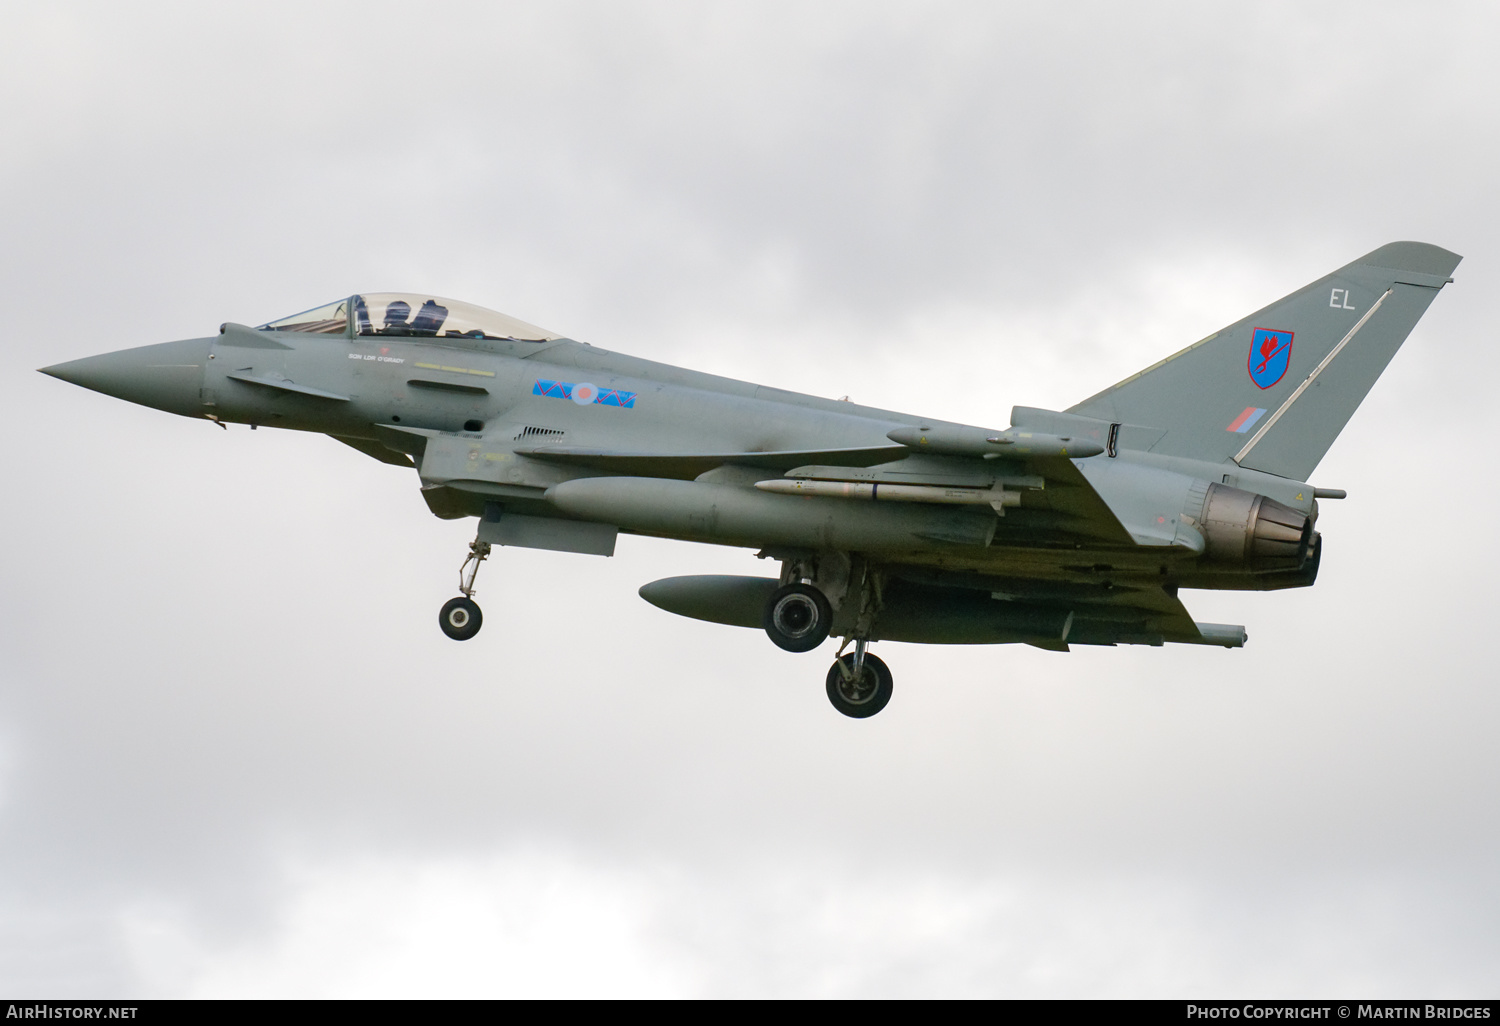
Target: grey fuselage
1074 527
487 425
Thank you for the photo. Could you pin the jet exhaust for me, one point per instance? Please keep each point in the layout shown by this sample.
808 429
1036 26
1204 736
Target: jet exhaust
1253 530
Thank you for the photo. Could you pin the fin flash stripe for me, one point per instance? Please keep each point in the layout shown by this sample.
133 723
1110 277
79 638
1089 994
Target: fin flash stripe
1245 421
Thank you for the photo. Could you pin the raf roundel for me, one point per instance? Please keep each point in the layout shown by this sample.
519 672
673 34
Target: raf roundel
1270 355
585 394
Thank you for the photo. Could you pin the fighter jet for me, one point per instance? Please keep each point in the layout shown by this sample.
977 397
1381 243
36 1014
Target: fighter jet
1078 527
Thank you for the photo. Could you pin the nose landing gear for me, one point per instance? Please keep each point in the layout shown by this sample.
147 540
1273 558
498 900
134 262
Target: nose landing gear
460 617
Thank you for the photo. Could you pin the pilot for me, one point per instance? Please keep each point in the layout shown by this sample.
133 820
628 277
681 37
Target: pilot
395 318
429 319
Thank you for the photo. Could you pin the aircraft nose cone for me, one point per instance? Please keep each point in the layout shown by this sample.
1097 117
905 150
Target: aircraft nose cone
167 377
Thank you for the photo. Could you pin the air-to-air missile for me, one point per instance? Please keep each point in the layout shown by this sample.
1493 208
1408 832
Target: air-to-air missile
1068 528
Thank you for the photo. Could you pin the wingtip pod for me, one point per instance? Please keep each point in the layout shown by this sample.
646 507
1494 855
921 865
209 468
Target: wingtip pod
1225 635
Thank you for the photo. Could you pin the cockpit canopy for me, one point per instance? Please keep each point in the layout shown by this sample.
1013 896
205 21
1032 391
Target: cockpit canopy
410 314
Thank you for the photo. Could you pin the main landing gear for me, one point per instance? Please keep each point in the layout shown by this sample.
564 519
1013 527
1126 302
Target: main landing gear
859 684
797 617
833 593
460 617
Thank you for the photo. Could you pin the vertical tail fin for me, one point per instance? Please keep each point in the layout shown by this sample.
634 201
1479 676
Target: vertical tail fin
1273 391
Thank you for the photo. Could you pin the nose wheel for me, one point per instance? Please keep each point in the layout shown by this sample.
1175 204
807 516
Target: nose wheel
460 617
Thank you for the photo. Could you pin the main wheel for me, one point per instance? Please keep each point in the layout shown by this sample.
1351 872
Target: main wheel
797 617
460 618
862 696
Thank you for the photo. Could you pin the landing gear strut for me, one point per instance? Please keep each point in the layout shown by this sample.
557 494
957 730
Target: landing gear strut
460 617
859 684
833 592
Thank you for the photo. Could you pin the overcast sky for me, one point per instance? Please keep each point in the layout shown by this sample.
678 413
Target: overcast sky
238 758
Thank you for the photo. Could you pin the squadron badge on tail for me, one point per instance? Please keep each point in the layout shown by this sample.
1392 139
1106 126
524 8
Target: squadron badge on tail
1270 355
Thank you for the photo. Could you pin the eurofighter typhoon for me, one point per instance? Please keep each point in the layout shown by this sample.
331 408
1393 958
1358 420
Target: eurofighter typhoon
1078 527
